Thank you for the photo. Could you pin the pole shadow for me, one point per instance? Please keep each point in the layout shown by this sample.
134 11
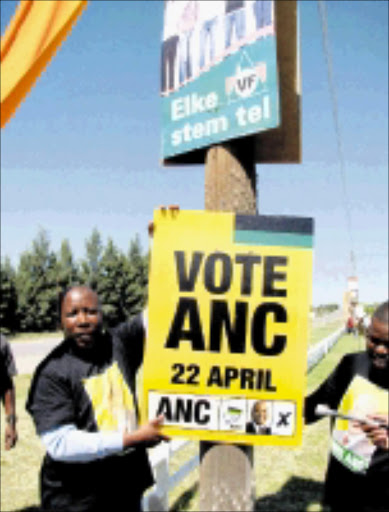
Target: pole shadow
27 509
296 495
183 501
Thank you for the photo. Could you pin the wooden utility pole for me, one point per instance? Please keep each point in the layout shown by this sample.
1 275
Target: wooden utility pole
226 471
230 181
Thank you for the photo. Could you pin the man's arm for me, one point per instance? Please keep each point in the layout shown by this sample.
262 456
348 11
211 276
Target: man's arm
51 405
11 435
329 392
66 443
7 372
69 444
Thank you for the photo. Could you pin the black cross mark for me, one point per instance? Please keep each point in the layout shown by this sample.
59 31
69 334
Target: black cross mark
283 419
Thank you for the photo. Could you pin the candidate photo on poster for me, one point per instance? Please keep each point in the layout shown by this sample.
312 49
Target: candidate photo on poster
199 34
261 418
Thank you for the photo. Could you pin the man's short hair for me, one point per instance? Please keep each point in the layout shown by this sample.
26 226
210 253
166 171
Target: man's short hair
382 313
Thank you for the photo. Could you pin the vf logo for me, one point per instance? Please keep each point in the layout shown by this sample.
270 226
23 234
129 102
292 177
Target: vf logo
246 80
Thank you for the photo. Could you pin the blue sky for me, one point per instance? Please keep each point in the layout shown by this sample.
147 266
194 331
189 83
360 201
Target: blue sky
83 150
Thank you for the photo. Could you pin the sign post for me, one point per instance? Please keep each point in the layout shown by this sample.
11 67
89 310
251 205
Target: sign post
226 471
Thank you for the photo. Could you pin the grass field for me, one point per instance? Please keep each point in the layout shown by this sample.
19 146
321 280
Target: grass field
20 466
287 480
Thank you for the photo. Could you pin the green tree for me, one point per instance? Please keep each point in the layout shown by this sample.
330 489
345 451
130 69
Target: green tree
325 309
90 266
25 292
67 272
137 278
8 297
111 286
37 287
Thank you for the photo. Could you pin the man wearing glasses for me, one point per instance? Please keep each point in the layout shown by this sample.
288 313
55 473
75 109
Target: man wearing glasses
358 469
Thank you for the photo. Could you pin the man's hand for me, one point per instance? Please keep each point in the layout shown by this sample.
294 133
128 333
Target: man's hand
11 436
150 434
170 208
378 435
151 430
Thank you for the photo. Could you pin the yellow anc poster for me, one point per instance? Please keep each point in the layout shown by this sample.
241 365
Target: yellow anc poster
226 350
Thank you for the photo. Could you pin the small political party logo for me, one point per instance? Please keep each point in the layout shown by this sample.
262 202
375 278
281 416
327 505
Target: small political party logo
247 80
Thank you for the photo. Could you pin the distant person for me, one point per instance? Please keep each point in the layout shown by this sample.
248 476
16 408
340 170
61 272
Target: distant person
83 403
261 419
360 327
7 392
358 470
350 325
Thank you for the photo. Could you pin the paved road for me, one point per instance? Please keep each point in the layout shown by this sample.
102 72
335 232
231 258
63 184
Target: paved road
29 353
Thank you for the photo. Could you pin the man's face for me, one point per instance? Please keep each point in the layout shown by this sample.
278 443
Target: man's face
260 413
81 316
377 343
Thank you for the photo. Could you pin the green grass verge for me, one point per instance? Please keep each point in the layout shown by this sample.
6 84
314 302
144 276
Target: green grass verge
287 480
20 466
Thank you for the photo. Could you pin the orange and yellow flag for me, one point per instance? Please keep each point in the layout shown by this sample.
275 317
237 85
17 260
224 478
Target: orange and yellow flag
30 41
